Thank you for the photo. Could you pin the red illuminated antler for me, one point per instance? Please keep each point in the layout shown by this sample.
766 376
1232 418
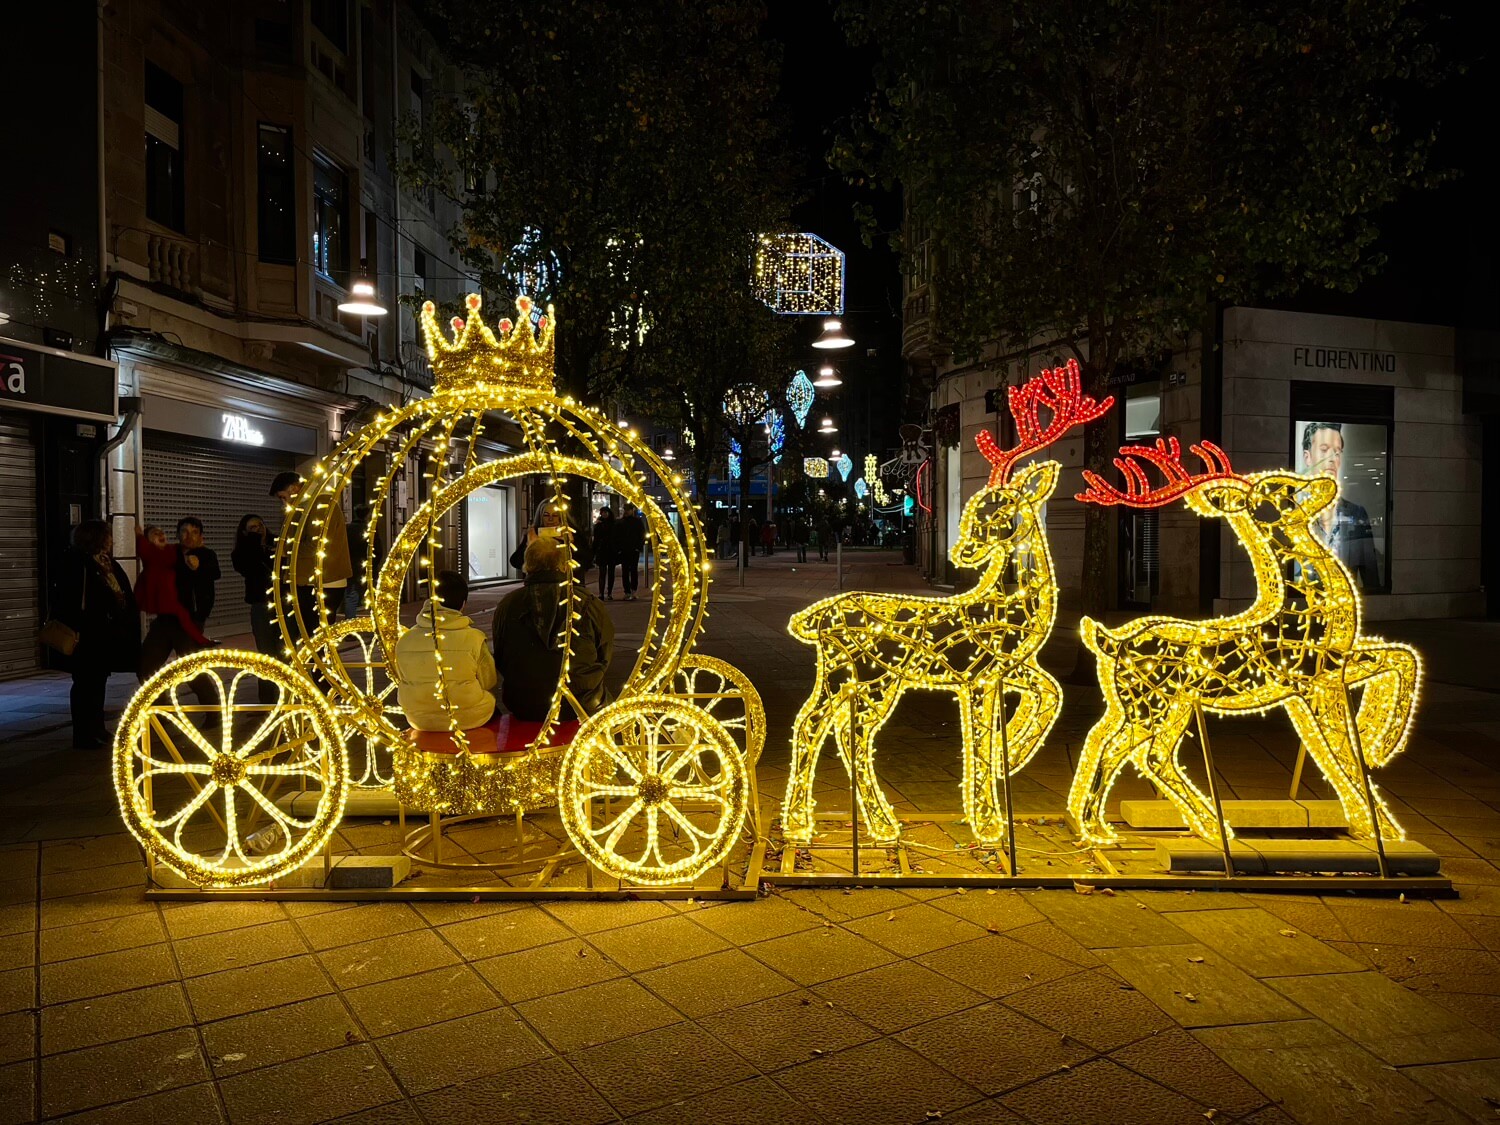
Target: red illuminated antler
1166 455
1060 390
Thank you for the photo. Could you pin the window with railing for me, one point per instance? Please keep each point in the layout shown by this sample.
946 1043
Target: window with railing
164 167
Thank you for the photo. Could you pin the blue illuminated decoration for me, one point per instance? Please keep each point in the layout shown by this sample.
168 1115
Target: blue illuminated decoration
861 489
800 396
845 466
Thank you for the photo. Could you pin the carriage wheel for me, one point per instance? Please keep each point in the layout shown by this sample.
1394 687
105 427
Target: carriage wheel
727 694
363 693
653 791
199 764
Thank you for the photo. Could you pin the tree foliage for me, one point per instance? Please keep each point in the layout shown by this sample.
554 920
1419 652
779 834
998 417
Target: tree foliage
627 149
1098 173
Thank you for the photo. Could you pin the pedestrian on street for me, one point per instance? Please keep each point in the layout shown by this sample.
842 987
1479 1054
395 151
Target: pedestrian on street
92 596
768 538
158 591
721 538
800 533
338 564
253 556
604 552
197 571
752 537
825 534
630 539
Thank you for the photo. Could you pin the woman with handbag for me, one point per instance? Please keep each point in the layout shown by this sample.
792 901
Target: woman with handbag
93 598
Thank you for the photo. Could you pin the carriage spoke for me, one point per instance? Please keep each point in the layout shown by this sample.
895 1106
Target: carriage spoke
677 816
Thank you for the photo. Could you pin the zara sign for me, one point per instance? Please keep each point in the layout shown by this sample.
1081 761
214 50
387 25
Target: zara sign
237 428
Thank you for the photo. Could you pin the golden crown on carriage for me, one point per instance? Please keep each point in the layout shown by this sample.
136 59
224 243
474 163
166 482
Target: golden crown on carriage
520 357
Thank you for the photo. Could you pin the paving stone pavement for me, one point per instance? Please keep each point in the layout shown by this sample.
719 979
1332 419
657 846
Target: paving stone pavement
871 1005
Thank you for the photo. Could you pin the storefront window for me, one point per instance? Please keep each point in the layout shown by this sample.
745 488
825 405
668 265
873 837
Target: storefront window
1352 445
491 533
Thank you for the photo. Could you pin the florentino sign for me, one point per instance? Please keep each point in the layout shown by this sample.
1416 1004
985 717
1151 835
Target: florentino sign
1344 359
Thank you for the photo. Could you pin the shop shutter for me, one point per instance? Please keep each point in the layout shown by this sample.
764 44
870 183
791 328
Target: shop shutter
20 581
219 483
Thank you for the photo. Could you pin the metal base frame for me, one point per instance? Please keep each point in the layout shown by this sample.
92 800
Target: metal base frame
783 871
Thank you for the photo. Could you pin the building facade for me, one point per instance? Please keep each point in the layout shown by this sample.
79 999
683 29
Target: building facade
1378 403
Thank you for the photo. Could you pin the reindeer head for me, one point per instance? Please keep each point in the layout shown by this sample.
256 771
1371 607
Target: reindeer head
1008 507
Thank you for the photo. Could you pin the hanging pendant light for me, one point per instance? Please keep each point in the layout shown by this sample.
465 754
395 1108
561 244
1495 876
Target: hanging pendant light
362 299
828 376
828 427
834 336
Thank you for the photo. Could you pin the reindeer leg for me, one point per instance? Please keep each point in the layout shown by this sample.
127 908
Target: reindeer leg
1108 747
1040 700
810 731
1322 722
870 713
983 807
1162 765
1388 700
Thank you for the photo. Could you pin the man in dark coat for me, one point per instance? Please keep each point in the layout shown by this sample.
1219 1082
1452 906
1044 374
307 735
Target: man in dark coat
630 539
92 596
529 630
197 570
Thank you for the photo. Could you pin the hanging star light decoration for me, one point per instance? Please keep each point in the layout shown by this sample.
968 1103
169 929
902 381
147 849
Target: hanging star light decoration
800 396
980 645
1298 646
652 790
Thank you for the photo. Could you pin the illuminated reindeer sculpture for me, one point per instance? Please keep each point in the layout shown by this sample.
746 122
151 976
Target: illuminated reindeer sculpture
873 648
1297 646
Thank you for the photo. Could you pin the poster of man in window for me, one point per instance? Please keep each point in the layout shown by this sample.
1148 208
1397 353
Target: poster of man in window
1354 527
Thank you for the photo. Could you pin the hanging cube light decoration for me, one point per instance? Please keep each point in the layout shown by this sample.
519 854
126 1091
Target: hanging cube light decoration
800 274
799 397
845 466
815 467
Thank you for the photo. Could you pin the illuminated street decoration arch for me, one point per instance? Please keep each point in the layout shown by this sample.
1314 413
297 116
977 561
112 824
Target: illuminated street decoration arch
800 275
1298 646
872 474
651 789
980 645
815 467
845 466
800 396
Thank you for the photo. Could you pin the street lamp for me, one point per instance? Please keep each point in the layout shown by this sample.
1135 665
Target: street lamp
834 336
828 376
828 427
362 300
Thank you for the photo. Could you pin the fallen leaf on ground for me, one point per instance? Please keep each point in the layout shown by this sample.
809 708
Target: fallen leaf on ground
994 929
1287 933
1196 960
1083 888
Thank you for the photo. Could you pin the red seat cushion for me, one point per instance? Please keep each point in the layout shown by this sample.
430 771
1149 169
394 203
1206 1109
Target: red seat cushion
481 741
516 735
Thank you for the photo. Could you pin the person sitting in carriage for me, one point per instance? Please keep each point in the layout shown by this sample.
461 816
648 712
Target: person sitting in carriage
468 667
529 625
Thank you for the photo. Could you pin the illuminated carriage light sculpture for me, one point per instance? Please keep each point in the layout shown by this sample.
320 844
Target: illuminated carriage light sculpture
980 645
1298 646
653 789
